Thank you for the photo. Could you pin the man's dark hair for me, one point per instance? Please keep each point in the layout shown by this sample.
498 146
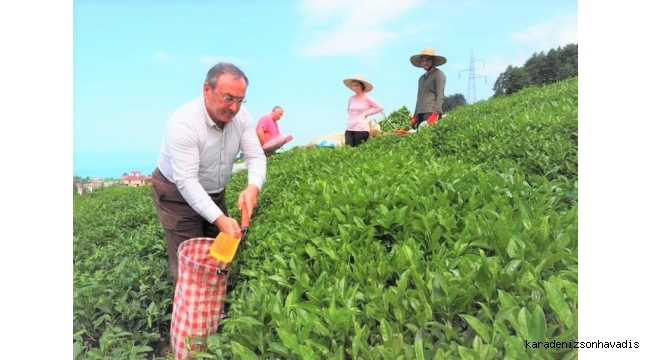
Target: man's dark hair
224 68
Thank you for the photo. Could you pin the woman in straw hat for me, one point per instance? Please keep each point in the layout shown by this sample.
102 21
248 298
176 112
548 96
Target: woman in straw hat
431 88
360 106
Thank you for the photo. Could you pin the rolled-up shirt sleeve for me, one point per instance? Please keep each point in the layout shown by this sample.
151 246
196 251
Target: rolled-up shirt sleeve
253 155
184 155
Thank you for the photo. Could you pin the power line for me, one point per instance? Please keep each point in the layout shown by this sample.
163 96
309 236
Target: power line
471 84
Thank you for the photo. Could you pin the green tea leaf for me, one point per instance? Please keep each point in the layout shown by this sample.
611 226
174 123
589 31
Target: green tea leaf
385 330
338 214
506 300
524 323
505 312
307 352
436 234
512 266
278 348
502 231
419 345
526 214
556 300
246 320
537 325
289 339
515 348
468 354
242 352
311 251
330 252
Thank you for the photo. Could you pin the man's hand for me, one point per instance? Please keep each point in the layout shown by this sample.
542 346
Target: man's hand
228 225
413 120
248 197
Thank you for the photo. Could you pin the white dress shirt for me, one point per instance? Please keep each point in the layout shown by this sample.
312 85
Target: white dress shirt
198 157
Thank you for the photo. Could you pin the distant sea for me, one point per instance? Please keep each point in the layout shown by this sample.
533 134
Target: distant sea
104 165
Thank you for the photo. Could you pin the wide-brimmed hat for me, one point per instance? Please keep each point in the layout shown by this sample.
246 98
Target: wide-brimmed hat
348 83
437 59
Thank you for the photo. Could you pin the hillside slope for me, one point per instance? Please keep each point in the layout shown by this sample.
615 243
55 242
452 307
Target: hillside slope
448 221
460 239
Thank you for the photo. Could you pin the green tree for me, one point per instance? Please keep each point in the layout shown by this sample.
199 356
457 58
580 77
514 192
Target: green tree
535 68
518 79
500 84
511 81
453 101
566 71
569 61
550 67
540 69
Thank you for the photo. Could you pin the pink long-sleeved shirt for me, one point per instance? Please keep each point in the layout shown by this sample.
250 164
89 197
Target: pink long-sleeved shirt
359 108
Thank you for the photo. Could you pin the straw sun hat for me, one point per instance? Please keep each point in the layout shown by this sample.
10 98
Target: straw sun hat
348 83
437 59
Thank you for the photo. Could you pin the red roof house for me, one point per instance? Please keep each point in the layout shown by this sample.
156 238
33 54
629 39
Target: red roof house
135 178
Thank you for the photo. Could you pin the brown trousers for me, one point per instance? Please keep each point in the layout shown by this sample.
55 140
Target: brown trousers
178 218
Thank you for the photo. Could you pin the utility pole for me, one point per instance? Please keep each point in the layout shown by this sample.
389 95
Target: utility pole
471 84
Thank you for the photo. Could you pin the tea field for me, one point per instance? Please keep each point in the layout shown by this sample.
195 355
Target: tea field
459 242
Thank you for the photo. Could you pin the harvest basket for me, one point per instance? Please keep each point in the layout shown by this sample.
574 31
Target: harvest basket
198 300
276 143
375 129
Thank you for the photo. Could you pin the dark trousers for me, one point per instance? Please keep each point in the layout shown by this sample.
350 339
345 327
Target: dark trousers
354 138
178 218
422 117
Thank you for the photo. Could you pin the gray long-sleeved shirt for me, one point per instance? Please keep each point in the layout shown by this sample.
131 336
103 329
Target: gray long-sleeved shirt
431 92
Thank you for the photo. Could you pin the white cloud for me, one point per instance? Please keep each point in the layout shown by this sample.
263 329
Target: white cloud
319 11
161 56
347 40
350 28
208 59
559 30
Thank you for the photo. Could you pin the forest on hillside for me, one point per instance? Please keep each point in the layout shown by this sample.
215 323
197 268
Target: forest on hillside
540 69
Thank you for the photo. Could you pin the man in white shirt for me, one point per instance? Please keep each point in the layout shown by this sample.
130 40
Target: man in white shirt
202 140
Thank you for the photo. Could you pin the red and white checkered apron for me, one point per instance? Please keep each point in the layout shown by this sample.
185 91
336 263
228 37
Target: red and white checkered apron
198 301
276 143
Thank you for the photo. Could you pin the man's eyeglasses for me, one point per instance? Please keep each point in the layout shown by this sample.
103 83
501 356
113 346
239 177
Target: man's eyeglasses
229 99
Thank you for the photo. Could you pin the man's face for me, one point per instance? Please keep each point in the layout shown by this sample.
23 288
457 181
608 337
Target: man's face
224 101
426 62
277 114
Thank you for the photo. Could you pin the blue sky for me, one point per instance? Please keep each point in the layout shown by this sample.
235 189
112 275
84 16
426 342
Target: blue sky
136 61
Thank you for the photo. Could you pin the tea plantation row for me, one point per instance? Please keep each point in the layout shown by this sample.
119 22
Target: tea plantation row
459 242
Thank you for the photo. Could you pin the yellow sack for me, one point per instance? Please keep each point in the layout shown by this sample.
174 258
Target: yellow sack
375 129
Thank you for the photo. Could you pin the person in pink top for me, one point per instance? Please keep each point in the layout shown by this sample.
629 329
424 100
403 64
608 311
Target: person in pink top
268 131
267 126
360 106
